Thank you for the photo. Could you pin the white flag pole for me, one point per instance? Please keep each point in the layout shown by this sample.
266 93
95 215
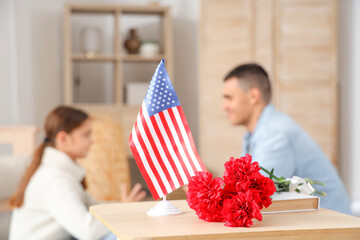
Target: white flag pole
163 208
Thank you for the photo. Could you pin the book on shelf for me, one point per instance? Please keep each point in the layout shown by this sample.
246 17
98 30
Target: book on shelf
292 202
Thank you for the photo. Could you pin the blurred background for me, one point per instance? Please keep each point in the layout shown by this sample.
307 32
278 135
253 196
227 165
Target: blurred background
53 53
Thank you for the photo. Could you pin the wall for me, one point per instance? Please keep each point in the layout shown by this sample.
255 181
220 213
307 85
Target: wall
349 76
8 71
34 47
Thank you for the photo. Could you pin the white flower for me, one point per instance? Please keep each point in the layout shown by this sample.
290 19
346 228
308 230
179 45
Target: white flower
306 189
300 184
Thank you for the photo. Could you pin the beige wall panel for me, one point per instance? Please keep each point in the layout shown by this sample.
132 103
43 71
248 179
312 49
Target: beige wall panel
263 34
305 65
264 38
305 40
225 33
228 10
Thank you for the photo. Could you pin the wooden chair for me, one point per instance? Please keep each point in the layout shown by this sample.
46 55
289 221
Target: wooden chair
106 164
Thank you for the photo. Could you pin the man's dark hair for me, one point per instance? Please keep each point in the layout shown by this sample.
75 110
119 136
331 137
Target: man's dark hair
252 76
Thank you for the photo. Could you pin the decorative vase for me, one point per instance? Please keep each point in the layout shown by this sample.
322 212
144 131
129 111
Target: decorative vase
132 42
91 39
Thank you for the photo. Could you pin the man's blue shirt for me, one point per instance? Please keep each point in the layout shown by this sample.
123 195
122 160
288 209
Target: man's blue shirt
279 142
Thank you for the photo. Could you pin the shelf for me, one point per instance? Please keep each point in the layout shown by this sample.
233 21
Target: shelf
109 8
91 8
99 58
138 58
107 58
149 9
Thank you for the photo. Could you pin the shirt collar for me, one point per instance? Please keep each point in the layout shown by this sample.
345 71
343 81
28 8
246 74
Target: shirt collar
264 117
60 160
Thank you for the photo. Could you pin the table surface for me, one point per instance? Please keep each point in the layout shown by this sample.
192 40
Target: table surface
130 221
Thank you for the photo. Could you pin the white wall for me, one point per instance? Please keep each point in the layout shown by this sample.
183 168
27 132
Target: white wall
38 43
349 82
9 113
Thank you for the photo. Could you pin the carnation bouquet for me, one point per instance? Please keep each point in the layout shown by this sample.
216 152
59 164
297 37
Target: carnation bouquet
238 197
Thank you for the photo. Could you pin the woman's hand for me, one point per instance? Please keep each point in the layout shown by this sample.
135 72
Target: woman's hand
136 194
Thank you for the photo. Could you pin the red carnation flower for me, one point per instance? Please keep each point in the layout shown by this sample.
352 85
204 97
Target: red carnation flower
205 196
240 210
263 188
240 170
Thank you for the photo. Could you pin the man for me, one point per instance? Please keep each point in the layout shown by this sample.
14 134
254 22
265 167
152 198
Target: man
274 139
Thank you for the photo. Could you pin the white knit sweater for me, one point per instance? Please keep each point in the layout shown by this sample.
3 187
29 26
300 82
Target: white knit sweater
55 203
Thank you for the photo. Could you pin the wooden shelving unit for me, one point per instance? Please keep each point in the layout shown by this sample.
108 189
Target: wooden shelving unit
118 109
100 58
138 58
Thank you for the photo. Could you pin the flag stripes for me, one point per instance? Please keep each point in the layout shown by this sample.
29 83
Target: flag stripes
170 148
181 141
149 154
189 141
175 147
159 154
178 172
144 167
164 150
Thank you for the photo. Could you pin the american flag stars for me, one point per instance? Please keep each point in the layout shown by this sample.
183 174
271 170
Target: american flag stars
161 94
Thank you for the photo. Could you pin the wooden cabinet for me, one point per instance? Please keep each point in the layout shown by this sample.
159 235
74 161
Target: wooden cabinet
296 43
115 61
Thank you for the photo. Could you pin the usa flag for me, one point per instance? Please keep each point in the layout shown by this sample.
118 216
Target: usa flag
161 139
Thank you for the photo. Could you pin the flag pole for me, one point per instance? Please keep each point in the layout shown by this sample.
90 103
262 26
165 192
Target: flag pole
163 208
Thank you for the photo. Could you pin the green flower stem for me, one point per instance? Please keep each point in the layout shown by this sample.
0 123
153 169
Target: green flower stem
312 182
271 175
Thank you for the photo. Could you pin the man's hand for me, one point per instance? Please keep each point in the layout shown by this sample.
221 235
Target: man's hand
136 194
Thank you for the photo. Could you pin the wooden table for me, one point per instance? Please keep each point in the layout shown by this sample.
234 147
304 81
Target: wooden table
129 221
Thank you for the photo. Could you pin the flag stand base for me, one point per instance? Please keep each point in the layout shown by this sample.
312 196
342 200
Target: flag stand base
163 208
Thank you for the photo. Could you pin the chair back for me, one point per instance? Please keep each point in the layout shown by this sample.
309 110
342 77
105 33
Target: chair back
106 164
